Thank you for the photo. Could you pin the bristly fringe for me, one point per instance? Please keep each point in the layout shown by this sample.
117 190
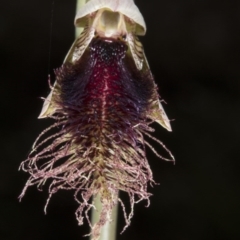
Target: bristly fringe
98 144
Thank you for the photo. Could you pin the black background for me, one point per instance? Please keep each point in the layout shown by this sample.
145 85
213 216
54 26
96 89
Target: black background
193 50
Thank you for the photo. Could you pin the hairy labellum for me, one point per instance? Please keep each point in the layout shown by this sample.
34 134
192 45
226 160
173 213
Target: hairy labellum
103 104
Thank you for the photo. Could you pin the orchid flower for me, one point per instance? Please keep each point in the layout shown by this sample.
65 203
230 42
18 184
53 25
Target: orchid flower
103 103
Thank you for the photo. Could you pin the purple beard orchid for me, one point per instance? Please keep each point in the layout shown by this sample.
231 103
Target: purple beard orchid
103 102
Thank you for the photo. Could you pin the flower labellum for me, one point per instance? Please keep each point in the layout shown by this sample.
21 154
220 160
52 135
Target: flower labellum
103 102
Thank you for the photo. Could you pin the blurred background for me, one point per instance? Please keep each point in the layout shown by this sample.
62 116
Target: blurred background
193 50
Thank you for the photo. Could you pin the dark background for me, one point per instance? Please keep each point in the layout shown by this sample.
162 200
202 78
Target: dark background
193 50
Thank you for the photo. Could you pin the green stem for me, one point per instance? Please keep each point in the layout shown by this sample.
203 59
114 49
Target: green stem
80 3
108 232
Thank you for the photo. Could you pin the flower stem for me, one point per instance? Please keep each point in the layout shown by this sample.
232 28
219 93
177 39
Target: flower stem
80 3
108 232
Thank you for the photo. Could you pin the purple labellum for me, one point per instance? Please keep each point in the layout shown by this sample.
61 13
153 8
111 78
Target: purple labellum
104 93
